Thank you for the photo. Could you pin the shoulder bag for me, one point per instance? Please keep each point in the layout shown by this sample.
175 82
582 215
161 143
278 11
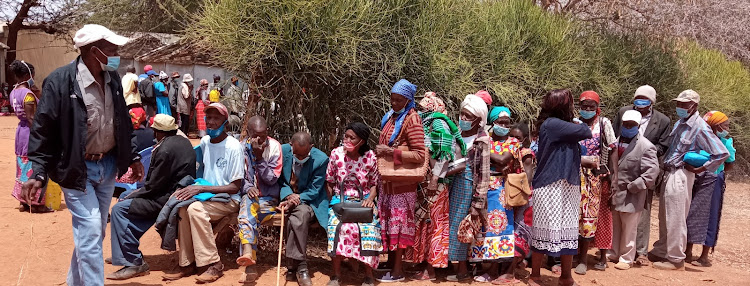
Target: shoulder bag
406 172
517 188
352 211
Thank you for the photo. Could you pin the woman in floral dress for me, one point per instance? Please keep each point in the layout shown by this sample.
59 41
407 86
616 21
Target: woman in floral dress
353 167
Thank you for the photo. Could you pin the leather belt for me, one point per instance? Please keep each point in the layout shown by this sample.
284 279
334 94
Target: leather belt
94 157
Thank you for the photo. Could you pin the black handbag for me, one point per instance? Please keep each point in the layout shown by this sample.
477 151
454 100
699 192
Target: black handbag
352 211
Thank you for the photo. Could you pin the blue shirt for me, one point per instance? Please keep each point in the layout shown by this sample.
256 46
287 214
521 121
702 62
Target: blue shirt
693 134
559 155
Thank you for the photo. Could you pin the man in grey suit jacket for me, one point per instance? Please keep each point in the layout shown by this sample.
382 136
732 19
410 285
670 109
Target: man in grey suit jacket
656 127
638 170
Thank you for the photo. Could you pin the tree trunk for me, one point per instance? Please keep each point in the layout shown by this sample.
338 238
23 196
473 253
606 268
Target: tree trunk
13 28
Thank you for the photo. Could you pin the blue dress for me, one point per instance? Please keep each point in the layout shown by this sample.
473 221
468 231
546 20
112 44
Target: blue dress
162 102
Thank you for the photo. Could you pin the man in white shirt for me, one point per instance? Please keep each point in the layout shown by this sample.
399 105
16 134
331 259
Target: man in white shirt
224 164
130 88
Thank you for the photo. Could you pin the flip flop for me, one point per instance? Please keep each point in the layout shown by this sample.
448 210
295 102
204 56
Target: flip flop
557 269
458 278
700 264
484 278
422 276
581 269
600 266
504 281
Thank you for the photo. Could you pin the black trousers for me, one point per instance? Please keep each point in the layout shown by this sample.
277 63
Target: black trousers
297 225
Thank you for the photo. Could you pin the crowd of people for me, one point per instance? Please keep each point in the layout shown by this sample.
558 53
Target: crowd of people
488 193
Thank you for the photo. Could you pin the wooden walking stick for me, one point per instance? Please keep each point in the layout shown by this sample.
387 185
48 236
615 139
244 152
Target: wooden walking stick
281 245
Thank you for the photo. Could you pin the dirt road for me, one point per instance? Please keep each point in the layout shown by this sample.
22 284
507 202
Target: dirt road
37 247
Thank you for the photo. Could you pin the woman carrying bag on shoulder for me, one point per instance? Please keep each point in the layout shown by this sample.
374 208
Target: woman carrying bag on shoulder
401 157
353 170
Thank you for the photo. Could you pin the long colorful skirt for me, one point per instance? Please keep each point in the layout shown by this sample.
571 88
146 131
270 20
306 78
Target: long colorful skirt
460 203
23 173
554 230
433 229
717 202
361 241
397 219
200 115
591 187
603 237
522 229
700 207
498 240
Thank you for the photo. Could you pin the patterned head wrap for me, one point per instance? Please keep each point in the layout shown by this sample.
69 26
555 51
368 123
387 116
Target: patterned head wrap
476 106
407 90
498 111
137 116
592 95
714 118
432 103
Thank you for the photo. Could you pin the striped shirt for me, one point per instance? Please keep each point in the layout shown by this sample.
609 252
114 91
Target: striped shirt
692 135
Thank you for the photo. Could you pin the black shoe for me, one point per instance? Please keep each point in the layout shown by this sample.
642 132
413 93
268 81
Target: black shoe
303 278
128 272
291 275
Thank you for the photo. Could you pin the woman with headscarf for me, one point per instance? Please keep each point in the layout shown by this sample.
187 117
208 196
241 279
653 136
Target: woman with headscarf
443 139
351 168
557 185
202 95
497 244
401 127
24 102
468 194
596 217
708 195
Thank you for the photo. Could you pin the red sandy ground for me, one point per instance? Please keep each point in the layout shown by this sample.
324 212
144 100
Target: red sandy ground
43 258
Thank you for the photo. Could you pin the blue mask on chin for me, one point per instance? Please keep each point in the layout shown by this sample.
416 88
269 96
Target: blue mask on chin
629 132
499 130
585 114
213 133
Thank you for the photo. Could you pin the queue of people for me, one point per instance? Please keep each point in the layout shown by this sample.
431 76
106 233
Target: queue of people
480 191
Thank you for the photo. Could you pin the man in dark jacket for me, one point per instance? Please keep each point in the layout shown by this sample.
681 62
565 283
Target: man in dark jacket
81 139
173 159
656 127
146 90
304 198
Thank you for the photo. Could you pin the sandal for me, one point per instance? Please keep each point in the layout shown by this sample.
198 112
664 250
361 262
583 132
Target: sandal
581 269
642 260
458 278
557 269
698 263
422 276
505 281
484 278
601 266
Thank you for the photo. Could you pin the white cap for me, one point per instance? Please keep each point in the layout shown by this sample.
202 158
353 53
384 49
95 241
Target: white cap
91 33
647 91
163 75
632 115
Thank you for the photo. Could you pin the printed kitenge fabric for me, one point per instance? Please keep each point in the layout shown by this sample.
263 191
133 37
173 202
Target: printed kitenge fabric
433 229
200 115
594 197
253 213
603 237
523 217
499 240
462 188
700 207
18 98
361 241
554 229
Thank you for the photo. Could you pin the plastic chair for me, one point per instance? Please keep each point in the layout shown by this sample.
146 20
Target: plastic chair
146 162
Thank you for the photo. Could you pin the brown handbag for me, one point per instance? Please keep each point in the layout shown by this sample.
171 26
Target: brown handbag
406 172
517 190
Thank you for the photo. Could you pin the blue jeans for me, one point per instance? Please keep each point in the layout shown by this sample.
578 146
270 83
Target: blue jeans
89 210
126 232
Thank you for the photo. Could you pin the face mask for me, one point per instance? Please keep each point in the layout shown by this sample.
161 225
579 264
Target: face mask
585 114
112 62
301 161
629 132
349 146
682 113
213 133
722 134
30 82
465 125
499 130
399 111
642 103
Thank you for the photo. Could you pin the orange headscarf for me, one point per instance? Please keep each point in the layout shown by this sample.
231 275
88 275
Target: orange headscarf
592 95
714 118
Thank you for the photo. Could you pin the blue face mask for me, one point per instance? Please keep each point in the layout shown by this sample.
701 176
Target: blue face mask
682 113
398 112
722 134
585 114
642 103
499 130
213 133
113 62
465 125
301 161
629 132
30 82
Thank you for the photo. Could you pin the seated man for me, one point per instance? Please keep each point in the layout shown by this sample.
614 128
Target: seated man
173 159
261 188
223 170
303 197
